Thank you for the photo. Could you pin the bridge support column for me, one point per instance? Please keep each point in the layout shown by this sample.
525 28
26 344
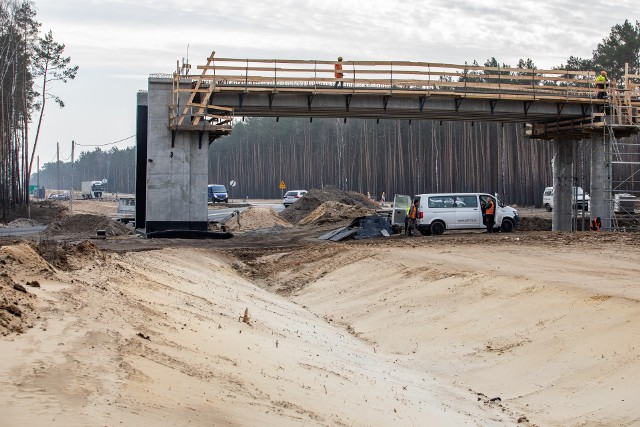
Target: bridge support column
598 206
562 184
142 115
177 169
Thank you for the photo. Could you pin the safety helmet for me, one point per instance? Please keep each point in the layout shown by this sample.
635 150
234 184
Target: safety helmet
603 72
339 58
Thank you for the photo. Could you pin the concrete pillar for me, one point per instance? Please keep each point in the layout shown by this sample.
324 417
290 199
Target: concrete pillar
562 184
176 175
142 114
599 206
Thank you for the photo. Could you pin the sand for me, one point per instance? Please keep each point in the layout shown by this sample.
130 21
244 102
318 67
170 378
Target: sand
256 218
399 331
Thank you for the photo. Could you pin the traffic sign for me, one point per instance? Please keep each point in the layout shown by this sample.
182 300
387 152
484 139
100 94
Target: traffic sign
282 185
232 183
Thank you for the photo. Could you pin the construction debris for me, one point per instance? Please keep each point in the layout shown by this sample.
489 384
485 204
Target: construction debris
365 227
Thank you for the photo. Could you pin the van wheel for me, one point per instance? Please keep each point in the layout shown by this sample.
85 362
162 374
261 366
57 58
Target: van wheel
507 226
548 208
437 228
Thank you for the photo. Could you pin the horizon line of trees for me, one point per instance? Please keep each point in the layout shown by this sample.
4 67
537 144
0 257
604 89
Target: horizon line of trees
392 156
396 157
117 166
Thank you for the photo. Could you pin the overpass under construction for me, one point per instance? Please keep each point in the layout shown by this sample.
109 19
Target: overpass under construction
181 113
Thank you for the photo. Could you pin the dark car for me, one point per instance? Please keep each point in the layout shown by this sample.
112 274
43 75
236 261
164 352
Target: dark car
218 193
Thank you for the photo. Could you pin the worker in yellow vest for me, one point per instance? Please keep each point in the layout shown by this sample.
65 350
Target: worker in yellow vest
601 85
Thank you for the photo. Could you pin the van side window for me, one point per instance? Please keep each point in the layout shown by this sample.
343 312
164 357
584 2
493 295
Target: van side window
449 202
467 201
435 202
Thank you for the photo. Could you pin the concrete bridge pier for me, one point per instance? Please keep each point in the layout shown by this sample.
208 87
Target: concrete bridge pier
563 184
599 176
177 168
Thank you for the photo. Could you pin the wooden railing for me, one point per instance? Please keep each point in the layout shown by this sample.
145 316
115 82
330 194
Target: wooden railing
197 113
397 78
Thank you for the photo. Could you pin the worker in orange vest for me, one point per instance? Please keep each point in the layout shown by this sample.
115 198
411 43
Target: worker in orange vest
490 214
413 216
338 68
596 224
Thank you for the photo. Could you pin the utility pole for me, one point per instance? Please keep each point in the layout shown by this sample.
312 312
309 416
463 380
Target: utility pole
39 176
71 189
58 166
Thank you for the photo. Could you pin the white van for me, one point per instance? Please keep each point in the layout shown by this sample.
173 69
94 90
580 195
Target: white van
453 211
582 197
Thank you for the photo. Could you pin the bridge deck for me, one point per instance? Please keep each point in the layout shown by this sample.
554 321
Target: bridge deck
411 90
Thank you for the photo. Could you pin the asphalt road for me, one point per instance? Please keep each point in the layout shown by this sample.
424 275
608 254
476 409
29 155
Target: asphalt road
21 231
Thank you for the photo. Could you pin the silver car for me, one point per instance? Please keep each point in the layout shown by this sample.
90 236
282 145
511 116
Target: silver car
292 196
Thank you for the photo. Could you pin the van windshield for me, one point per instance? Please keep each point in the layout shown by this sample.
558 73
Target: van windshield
218 188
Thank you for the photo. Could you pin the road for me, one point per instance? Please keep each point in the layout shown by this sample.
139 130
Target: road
21 231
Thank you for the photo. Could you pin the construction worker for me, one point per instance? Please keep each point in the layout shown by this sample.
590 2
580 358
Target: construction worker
596 224
338 68
490 213
412 215
601 85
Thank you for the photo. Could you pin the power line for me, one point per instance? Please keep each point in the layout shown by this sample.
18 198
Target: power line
108 143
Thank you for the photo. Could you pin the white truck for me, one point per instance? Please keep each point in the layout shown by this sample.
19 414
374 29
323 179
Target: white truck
92 189
126 210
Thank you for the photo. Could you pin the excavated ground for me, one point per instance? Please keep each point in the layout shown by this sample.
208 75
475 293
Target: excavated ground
276 327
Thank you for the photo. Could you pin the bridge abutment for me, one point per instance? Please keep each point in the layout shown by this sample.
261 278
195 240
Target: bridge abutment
177 169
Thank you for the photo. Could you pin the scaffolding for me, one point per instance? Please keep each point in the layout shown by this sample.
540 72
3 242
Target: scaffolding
622 155
197 113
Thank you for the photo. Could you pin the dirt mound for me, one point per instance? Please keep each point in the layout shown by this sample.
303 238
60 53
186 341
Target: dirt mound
83 226
16 306
17 302
315 197
534 224
44 212
257 217
332 211
69 257
23 222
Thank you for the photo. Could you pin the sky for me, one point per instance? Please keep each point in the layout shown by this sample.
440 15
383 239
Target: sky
117 44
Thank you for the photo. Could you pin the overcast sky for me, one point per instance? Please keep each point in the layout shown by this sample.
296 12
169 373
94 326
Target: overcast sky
118 43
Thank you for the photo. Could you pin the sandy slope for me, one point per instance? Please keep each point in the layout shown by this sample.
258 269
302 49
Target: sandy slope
405 332
552 333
